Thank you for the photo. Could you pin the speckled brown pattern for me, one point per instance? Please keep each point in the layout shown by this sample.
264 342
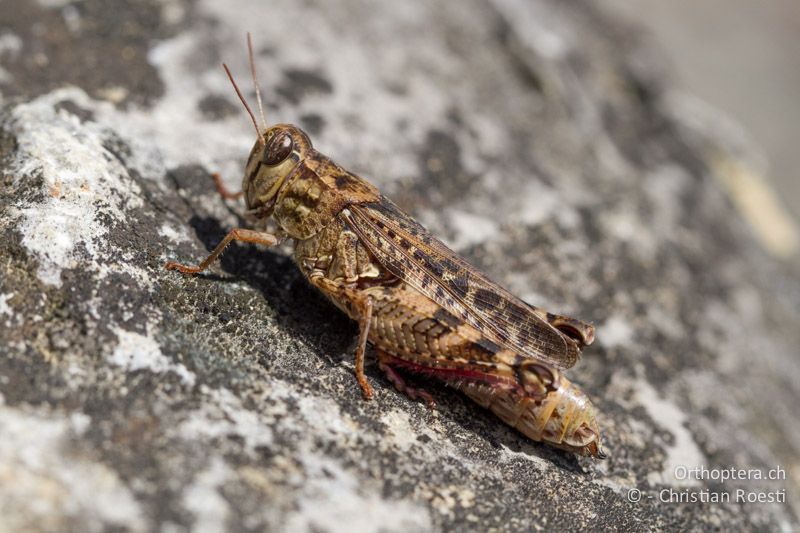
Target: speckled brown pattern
425 309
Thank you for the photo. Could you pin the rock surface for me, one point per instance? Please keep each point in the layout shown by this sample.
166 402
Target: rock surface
538 138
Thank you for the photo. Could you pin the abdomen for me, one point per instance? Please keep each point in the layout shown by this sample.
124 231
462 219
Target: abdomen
413 333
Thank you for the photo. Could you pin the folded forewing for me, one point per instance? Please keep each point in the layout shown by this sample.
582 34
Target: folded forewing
411 253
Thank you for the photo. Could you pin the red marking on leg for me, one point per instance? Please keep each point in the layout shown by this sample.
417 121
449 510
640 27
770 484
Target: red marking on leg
403 387
452 375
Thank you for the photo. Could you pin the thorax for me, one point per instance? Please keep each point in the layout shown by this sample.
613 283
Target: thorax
315 193
337 254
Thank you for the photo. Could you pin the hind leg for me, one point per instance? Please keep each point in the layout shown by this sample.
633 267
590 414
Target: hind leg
400 383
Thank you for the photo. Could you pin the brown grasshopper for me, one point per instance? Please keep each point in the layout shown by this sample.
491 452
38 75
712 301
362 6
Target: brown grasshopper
421 306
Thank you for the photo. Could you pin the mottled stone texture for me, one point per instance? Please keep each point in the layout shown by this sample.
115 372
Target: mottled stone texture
539 138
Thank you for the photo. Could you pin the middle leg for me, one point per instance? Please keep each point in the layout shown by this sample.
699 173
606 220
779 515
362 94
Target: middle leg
360 307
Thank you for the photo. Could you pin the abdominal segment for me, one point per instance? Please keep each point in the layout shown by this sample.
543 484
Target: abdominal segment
565 418
413 333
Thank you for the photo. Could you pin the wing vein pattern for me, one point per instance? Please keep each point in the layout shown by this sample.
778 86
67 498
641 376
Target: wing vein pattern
410 252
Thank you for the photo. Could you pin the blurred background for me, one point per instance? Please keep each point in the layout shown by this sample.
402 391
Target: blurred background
742 57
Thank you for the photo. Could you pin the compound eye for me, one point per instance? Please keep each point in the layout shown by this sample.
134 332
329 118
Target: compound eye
278 149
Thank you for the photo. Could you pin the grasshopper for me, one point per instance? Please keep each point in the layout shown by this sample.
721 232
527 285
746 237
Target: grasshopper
422 307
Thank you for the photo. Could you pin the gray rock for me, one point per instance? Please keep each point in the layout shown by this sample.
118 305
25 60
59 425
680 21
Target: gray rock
538 138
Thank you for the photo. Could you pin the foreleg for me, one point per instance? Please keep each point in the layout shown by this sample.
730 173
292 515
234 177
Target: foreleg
238 234
223 190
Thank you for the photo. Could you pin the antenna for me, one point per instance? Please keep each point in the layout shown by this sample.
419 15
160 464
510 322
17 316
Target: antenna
255 79
244 102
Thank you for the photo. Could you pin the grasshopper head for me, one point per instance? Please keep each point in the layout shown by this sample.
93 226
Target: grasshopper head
276 153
